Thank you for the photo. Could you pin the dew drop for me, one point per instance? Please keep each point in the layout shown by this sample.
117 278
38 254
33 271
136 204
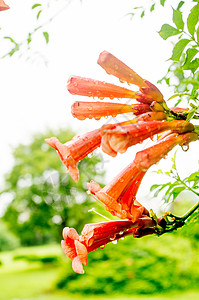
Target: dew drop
114 242
185 148
112 238
121 233
102 247
81 118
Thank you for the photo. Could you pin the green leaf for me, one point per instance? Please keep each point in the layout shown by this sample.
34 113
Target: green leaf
190 116
36 5
142 14
46 36
180 5
166 198
193 177
11 39
178 49
177 19
159 188
153 187
38 15
193 19
162 2
176 191
167 30
171 186
193 65
197 34
152 7
29 39
190 53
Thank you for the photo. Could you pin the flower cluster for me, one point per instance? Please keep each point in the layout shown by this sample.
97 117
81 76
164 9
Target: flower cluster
150 117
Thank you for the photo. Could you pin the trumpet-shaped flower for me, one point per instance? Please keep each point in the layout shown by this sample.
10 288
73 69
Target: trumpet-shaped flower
119 195
94 88
92 237
112 65
96 235
118 139
75 150
146 158
83 110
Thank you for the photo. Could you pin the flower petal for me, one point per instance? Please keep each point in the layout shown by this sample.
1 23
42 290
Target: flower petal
83 110
3 5
70 233
114 66
82 252
77 265
151 91
69 249
94 88
75 150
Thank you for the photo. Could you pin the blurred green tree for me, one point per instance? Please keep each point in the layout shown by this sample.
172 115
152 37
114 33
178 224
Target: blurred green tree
45 197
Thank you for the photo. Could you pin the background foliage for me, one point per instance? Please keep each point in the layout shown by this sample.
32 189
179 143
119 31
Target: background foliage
45 198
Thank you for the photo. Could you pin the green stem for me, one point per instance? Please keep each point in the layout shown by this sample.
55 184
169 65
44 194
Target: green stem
190 212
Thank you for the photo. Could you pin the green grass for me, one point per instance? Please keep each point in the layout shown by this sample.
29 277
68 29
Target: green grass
24 280
64 296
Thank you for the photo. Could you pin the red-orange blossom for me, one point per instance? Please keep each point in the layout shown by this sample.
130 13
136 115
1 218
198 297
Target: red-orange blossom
148 118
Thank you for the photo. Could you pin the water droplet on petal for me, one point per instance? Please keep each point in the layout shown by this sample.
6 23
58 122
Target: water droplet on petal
185 147
114 242
112 237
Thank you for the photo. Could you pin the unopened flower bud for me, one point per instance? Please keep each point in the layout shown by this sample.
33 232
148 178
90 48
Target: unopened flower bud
155 106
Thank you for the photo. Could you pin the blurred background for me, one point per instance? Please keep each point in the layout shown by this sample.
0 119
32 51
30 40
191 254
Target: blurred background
37 197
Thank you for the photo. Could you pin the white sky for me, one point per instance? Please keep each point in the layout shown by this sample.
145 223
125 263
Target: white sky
34 97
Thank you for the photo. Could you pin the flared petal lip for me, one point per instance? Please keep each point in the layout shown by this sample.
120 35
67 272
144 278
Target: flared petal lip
4 6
